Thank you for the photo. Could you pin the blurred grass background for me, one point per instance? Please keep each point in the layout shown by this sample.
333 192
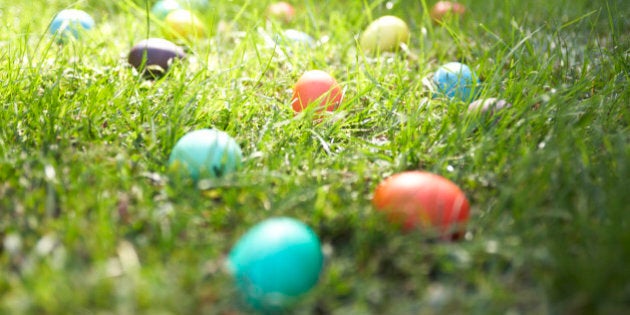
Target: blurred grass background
90 224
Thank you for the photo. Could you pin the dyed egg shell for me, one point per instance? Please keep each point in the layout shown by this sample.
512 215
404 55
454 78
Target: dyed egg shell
183 23
384 34
275 263
281 10
71 23
162 8
154 56
456 80
443 9
426 201
296 37
206 153
316 86
195 4
488 105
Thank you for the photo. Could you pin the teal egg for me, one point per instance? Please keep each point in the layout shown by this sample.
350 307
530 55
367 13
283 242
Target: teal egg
162 8
275 263
206 153
456 80
195 4
70 23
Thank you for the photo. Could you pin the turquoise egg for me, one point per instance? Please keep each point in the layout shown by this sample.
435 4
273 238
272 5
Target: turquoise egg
206 153
275 263
456 80
196 4
70 22
162 8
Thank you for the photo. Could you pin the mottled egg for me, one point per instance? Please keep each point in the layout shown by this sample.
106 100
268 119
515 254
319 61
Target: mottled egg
488 105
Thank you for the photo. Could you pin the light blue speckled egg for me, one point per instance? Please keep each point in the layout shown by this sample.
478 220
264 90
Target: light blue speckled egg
456 80
71 22
162 8
206 153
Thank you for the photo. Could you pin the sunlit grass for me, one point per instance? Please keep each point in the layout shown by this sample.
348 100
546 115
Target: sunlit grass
90 221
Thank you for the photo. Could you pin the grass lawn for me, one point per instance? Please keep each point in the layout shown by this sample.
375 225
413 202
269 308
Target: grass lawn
91 222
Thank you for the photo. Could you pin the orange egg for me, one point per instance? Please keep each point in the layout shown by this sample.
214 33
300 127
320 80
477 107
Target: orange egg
442 9
421 200
318 87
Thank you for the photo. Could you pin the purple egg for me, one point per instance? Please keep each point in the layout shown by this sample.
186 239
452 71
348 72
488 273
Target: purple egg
154 56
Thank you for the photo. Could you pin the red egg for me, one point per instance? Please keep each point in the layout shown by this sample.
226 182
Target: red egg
426 201
443 8
282 11
319 87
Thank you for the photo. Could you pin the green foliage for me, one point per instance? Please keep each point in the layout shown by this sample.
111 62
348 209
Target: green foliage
89 219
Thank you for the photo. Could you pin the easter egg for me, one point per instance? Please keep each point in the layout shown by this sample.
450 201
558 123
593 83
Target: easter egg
426 201
70 23
318 87
488 105
275 263
162 8
154 56
195 4
205 153
295 37
183 23
281 11
384 34
443 9
456 80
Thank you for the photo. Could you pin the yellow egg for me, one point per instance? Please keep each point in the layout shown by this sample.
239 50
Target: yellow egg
183 23
384 34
